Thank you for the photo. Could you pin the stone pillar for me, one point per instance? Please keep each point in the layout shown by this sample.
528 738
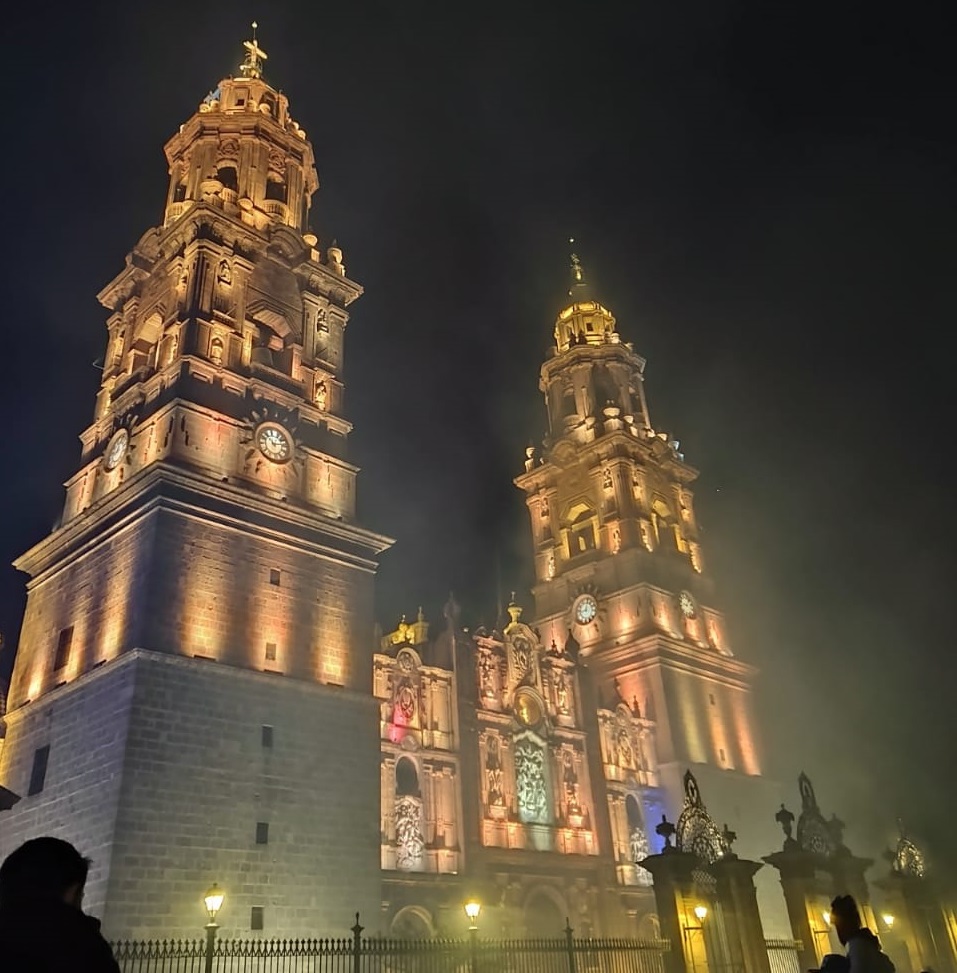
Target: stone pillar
802 894
674 891
920 923
848 871
739 912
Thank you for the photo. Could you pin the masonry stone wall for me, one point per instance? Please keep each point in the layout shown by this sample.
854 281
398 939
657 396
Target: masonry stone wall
99 593
228 594
85 726
158 771
197 781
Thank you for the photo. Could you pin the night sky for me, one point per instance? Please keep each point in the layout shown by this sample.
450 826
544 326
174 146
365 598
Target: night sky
762 193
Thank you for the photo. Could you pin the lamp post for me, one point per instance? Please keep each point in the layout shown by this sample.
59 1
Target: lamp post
213 900
472 910
701 913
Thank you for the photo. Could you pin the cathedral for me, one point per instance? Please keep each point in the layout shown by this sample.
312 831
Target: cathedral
200 693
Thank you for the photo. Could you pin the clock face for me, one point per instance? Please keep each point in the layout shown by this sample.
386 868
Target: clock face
586 609
686 604
274 442
116 450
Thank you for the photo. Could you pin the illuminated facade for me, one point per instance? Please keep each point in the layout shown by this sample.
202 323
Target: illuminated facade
576 730
191 697
200 621
620 570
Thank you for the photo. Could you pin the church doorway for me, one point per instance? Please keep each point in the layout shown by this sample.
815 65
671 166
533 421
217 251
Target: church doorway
544 916
412 922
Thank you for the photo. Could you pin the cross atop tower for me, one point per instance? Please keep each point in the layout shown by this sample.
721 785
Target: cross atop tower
578 284
252 67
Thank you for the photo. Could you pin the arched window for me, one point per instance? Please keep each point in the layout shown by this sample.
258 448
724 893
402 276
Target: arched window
406 779
275 188
663 529
228 176
580 526
179 193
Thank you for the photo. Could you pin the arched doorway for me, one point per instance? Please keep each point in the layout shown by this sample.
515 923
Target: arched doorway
648 927
544 915
412 922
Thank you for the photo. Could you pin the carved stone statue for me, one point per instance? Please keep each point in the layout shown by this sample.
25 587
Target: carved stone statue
493 773
410 845
321 395
561 694
570 782
530 782
486 665
786 819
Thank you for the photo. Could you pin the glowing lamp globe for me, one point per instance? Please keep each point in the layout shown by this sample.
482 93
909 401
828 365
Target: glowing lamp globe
701 912
213 900
888 920
827 917
472 910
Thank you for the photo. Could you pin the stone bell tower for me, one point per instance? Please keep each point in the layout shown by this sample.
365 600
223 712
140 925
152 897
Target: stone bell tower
190 701
620 570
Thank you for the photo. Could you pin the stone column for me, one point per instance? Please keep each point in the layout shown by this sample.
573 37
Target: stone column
848 871
920 923
674 889
739 912
801 892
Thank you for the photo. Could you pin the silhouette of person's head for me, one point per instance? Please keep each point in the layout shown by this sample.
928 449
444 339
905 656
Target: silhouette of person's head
845 917
44 868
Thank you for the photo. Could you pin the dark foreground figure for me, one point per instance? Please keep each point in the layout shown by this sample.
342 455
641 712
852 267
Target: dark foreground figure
864 953
43 928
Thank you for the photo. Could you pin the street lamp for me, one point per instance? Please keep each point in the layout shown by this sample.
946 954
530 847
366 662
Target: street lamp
701 913
472 910
888 920
213 901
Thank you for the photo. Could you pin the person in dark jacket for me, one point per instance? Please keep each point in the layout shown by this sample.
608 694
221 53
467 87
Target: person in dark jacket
863 948
43 928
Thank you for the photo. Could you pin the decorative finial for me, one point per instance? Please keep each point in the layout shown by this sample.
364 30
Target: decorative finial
252 67
666 830
577 278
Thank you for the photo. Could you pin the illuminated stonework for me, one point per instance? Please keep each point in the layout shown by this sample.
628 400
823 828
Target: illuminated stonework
419 767
209 538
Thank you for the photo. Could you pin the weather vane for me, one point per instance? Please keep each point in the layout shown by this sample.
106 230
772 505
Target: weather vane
252 67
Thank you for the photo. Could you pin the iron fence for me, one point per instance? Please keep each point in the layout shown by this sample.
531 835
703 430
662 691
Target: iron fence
372 954
783 956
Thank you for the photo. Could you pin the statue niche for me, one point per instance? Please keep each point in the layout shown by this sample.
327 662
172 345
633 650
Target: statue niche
494 784
531 785
407 815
